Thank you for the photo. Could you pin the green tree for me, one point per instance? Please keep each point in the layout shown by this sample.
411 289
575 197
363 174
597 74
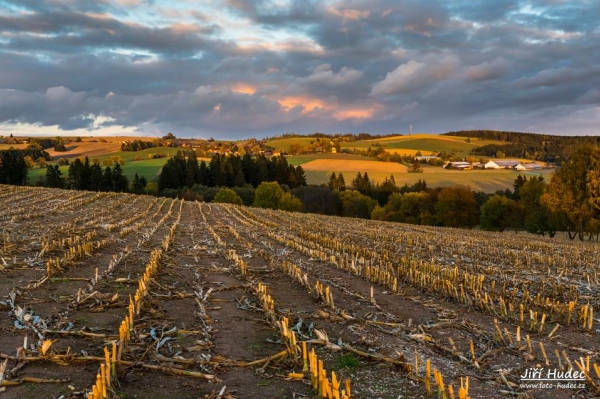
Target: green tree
137 186
240 180
267 195
571 194
393 208
107 179
496 213
414 208
120 181
290 203
415 167
34 144
151 188
333 181
355 204
378 213
13 168
227 196
96 177
301 178
537 218
517 185
246 193
53 177
60 145
456 207
362 183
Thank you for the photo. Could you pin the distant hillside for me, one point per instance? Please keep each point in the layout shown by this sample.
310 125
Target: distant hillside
542 147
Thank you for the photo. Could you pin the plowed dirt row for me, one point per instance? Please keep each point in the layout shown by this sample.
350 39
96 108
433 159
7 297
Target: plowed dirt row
438 319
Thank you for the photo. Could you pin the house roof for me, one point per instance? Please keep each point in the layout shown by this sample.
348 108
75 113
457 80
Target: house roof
506 162
458 163
532 165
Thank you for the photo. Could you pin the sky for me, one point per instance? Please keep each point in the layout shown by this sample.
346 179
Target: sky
235 69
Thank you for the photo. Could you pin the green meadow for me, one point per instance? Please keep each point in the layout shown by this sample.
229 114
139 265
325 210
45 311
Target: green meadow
422 142
488 181
149 168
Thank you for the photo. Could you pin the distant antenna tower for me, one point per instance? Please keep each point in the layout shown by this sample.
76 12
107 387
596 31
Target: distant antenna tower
411 129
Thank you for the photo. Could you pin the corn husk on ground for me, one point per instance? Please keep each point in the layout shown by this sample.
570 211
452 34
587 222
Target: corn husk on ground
400 305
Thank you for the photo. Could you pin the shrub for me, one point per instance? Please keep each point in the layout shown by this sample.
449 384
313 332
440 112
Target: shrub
227 196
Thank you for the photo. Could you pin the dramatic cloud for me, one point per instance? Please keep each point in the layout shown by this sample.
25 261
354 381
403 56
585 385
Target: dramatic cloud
416 75
240 68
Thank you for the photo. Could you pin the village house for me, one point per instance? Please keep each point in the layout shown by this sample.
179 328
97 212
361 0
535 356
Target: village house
501 164
528 166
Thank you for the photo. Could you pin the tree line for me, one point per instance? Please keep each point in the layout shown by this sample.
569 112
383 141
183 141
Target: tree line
542 147
184 171
85 175
139 145
569 202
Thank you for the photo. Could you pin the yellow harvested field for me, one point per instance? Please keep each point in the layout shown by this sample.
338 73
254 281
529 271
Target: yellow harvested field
334 165
16 146
86 148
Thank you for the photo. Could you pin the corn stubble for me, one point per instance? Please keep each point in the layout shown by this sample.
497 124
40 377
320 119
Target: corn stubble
530 293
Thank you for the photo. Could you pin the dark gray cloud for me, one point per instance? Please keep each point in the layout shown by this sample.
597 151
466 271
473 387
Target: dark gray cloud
245 67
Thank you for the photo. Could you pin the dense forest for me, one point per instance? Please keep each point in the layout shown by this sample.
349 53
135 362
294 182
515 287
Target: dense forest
14 164
541 147
13 168
184 170
139 145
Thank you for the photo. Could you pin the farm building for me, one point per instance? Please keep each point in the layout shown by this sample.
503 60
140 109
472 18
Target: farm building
458 165
426 158
528 166
502 164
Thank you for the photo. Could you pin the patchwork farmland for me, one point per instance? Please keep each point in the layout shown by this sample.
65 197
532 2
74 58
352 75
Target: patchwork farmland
108 295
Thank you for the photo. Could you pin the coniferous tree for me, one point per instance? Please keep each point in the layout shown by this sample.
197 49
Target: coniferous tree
204 174
13 168
357 183
192 170
143 181
333 182
53 177
96 177
239 181
86 175
107 179
341 182
76 174
120 181
214 170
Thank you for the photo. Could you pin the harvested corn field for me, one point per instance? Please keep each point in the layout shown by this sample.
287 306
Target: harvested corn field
107 295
